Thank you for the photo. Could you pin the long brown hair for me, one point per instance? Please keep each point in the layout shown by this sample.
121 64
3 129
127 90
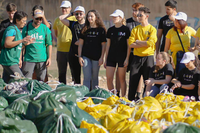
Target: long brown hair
183 24
167 58
98 21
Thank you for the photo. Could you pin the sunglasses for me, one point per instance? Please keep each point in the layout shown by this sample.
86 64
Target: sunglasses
38 19
135 10
79 14
139 15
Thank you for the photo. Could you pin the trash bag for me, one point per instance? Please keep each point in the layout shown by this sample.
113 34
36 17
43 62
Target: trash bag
111 100
19 106
81 90
3 103
38 107
182 128
158 126
125 110
2 84
99 92
55 121
93 128
35 86
11 123
131 126
83 130
79 115
166 99
83 104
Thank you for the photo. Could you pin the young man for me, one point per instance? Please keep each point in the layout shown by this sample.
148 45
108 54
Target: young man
165 24
132 23
38 54
64 39
143 38
11 9
76 27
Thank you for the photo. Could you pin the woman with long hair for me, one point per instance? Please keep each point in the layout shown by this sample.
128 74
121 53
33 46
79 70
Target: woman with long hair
12 46
117 51
173 43
160 74
91 48
186 82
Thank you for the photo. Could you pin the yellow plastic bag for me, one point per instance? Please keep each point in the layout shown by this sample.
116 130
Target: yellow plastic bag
82 105
121 100
185 105
196 110
150 108
111 100
166 100
158 126
93 128
131 126
109 120
88 101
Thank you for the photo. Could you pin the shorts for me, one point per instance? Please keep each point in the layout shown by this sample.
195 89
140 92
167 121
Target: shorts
115 63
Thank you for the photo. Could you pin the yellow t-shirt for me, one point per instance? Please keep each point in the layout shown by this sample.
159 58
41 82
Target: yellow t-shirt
64 34
147 33
175 42
198 35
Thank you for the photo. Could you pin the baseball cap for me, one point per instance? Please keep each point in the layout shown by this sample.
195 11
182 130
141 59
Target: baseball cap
181 16
187 57
38 13
79 8
117 13
65 4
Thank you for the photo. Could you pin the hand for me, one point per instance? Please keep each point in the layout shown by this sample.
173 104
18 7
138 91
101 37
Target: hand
48 62
20 63
191 49
61 17
28 40
176 86
126 63
198 48
149 82
100 61
81 61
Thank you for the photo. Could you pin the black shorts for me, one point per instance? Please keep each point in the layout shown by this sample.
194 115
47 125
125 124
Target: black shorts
115 63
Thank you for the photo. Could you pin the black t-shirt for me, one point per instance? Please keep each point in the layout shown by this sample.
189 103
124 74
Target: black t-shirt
5 24
93 38
130 23
118 43
161 74
76 31
187 77
165 24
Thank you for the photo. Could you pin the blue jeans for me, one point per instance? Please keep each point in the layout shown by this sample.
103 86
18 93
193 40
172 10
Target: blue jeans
90 72
179 66
155 90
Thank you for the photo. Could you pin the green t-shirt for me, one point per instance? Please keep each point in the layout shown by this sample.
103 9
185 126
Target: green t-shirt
37 51
10 56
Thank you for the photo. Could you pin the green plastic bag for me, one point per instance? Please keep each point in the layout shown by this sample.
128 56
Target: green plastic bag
83 130
37 107
81 90
182 128
2 84
99 92
19 106
35 86
3 103
12 123
79 115
55 121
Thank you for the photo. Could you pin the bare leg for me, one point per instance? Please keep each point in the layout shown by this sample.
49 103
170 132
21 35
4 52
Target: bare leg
110 75
122 79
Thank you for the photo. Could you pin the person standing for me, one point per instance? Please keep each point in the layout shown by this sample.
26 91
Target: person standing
117 51
64 39
143 38
76 27
92 48
38 54
165 24
132 23
11 46
11 8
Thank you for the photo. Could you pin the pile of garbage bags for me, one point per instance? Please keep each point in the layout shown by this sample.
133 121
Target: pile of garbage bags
34 107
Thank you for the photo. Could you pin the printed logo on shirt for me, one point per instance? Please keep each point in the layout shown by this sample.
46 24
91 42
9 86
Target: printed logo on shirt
92 34
39 39
147 33
121 34
187 77
168 22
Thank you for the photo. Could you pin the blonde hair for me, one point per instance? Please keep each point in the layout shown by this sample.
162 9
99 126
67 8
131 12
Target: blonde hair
124 21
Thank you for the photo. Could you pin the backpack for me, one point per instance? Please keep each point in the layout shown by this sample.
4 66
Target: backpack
1 35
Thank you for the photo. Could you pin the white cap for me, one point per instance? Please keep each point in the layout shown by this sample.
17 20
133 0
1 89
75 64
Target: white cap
80 8
181 16
187 57
65 4
117 13
38 13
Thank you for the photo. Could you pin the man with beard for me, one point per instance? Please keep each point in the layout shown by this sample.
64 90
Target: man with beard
75 27
38 54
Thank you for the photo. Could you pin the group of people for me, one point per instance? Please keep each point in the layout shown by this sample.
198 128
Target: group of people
83 42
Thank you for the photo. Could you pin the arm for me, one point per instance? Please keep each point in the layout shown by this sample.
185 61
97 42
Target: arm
148 87
49 52
127 56
102 53
159 35
64 20
164 81
80 46
167 44
9 43
46 22
107 49
56 32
